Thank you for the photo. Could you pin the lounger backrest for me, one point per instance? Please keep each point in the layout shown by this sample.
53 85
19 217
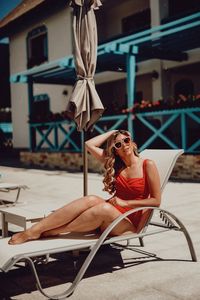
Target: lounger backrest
165 160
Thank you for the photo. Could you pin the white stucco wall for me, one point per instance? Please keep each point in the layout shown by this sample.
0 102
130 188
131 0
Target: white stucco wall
59 45
20 115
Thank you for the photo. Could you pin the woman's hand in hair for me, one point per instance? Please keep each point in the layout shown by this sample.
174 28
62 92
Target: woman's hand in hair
117 201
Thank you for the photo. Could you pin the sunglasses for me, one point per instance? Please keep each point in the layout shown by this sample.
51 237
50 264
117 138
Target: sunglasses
125 141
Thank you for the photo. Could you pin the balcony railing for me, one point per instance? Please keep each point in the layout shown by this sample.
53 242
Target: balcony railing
175 128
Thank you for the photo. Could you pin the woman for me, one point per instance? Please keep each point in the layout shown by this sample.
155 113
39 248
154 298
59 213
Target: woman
132 182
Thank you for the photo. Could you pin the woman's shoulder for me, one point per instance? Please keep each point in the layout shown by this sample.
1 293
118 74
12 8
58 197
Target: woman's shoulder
149 165
148 162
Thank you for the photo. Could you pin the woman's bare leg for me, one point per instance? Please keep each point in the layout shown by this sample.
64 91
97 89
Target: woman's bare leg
99 216
145 216
58 218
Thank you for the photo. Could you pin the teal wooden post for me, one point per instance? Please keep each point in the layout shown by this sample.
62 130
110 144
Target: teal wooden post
32 137
131 70
183 131
56 137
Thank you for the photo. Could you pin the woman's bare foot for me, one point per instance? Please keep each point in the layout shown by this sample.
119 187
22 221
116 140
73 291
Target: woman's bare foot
23 237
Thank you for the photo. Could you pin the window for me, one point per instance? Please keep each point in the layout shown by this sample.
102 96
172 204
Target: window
183 87
137 22
37 52
138 97
40 109
183 7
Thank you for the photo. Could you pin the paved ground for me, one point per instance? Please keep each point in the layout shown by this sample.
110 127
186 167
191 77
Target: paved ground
115 274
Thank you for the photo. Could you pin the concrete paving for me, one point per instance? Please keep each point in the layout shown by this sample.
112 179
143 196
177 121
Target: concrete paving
115 273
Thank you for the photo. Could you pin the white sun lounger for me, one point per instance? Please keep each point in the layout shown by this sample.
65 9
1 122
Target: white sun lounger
10 255
7 187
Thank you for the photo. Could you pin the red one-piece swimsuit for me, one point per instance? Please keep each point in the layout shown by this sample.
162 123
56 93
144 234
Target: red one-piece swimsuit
132 189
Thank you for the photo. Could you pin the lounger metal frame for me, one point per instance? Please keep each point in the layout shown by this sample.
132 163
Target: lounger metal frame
7 187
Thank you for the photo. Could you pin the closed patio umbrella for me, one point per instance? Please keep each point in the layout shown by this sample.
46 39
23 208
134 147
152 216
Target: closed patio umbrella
84 105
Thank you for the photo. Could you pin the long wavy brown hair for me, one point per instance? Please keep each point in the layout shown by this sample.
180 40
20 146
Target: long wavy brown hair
113 163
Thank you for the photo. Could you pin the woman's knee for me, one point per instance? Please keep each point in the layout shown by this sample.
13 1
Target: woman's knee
93 200
106 210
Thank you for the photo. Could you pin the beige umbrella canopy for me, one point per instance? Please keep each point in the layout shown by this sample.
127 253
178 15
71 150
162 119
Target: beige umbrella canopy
84 105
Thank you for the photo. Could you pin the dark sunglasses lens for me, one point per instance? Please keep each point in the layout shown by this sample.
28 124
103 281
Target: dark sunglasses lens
118 145
127 140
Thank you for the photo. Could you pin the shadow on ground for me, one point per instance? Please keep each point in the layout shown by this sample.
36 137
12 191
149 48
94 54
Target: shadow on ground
63 269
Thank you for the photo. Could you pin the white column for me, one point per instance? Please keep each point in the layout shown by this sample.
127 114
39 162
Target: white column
159 10
157 83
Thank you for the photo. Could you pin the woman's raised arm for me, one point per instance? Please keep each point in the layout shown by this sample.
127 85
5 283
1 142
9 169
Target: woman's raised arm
93 145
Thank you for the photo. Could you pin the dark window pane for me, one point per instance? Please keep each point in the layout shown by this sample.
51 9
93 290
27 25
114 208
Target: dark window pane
37 47
137 22
182 7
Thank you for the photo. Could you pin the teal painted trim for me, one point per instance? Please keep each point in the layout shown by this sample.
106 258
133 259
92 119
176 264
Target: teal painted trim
56 136
6 127
169 112
197 120
98 129
152 30
128 41
47 72
67 138
158 132
67 62
23 79
120 49
44 68
119 119
34 33
54 127
116 125
111 118
43 73
193 147
44 138
32 140
194 117
183 131
14 78
161 34
131 74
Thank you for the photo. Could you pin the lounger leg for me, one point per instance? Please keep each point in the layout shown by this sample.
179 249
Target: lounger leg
184 230
141 241
188 238
4 226
17 197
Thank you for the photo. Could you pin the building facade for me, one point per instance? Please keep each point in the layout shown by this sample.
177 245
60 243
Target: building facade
40 33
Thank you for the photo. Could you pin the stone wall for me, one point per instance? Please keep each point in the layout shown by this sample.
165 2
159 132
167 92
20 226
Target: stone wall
59 160
187 166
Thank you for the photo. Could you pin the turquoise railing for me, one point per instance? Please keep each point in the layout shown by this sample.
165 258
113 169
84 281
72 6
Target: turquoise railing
54 136
6 127
178 128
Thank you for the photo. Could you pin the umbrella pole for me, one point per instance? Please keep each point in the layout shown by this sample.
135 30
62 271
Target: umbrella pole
85 164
